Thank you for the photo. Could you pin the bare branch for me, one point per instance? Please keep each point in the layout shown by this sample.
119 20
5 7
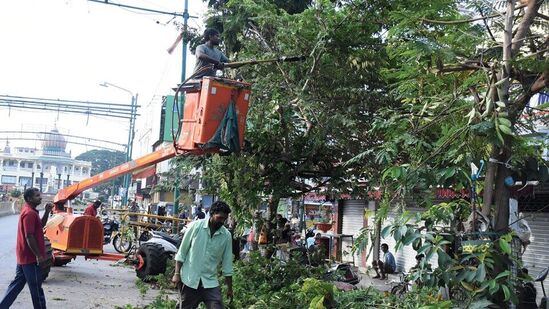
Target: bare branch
524 26
464 21
540 83
542 16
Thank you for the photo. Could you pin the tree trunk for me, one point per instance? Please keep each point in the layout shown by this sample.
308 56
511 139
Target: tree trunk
502 193
271 223
489 184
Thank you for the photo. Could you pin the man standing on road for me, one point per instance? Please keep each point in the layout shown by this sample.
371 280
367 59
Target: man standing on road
206 243
207 54
91 210
30 251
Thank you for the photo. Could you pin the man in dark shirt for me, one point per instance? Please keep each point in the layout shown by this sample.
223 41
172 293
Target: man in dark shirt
91 210
208 54
200 214
30 251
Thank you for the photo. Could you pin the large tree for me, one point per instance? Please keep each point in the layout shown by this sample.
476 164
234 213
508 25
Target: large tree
464 73
306 119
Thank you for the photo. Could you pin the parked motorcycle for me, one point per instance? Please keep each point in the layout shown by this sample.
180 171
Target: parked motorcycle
110 226
152 255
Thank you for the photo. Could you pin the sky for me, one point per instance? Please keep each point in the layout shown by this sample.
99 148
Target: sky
63 49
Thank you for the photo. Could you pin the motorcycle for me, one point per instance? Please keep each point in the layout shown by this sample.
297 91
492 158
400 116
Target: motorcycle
110 226
152 255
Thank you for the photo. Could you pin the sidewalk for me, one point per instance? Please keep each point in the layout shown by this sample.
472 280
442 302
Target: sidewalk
367 280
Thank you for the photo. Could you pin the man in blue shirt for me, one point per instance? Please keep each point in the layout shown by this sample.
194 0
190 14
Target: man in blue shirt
388 266
206 243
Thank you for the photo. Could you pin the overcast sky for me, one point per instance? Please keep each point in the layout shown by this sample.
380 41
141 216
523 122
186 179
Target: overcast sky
63 49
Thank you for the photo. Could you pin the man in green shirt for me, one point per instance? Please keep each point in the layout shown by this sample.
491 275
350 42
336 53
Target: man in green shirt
206 243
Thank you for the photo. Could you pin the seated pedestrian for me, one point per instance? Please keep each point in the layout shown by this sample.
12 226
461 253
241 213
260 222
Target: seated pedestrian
387 266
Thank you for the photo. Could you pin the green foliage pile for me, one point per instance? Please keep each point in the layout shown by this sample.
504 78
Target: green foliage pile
267 283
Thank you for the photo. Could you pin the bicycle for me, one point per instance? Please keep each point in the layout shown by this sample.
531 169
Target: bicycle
402 287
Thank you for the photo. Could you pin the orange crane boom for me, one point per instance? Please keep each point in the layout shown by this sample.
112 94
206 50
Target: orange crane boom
72 191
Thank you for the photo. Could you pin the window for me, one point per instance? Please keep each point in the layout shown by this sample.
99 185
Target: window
84 170
37 181
30 165
38 166
9 180
25 181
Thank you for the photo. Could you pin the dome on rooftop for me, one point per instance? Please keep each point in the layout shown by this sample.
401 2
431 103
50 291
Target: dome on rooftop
54 143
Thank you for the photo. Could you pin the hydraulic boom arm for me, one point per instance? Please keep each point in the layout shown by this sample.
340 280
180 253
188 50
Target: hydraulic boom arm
215 119
70 192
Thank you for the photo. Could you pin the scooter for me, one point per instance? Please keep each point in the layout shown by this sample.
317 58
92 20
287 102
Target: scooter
342 273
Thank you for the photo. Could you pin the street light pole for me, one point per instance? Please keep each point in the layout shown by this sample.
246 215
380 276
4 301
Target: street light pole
131 135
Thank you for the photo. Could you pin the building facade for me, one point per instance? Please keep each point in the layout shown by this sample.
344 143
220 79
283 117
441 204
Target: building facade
49 168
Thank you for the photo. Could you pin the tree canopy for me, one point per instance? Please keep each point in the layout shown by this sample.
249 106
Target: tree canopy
400 96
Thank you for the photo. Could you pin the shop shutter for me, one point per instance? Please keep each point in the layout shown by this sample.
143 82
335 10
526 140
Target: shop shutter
405 257
536 256
353 221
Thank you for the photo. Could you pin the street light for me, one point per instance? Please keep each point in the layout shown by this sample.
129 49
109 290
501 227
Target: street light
131 135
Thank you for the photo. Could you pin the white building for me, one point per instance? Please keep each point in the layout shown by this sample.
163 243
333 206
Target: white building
49 168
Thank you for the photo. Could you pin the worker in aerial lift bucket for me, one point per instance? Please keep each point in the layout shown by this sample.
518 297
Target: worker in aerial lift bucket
207 54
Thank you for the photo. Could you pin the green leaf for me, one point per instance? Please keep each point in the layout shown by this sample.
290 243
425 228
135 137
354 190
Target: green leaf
504 246
410 237
503 274
493 289
505 129
480 304
504 121
424 248
417 243
481 273
470 275
385 232
506 292
499 103
443 259
469 287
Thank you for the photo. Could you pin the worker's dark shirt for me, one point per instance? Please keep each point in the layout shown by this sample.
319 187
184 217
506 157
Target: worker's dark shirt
29 224
90 211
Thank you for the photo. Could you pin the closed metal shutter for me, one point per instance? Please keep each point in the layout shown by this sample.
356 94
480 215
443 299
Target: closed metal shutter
353 221
536 256
405 257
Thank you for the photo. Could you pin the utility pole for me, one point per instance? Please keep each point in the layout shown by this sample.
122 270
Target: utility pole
177 193
131 134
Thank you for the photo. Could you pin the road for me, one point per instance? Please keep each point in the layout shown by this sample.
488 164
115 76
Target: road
79 284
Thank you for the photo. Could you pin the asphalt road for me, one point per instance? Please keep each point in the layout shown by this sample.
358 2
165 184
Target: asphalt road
79 284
